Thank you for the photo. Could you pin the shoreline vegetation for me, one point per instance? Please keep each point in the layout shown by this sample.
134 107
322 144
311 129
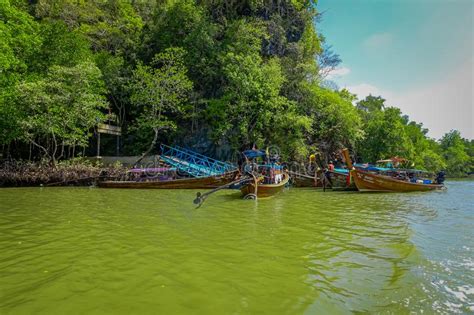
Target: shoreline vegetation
219 77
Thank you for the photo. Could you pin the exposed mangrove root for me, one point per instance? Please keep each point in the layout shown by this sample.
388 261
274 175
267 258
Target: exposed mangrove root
19 173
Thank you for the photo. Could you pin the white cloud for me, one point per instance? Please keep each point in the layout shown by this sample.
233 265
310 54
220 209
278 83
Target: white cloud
378 41
442 106
364 89
339 72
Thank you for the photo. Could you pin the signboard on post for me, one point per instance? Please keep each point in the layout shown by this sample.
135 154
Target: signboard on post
109 129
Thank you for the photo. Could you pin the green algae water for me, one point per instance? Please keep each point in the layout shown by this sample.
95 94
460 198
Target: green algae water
99 251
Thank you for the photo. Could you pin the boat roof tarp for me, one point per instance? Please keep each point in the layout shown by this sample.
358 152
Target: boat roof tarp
254 153
275 166
373 168
341 170
369 167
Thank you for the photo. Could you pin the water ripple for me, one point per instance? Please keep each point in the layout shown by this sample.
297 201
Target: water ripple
80 250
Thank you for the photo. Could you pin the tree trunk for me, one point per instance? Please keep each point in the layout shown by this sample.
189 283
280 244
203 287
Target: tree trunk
46 153
152 145
62 151
55 149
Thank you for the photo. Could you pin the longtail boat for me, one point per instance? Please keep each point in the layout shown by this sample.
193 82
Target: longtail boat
366 181
202 172
265 179
257 189
180 183
389 180
258 180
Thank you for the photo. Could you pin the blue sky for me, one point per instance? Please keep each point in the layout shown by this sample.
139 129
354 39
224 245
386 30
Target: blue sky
418 54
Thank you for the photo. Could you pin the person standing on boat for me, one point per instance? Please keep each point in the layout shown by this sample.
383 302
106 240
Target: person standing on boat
328 174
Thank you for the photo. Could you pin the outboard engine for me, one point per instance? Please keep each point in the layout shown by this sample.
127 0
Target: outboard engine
440 178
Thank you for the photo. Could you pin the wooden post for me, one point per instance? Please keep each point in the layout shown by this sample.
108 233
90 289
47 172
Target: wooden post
118 145
98 144
345 153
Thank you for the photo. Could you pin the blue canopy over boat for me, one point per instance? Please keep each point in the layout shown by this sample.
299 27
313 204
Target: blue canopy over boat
254 153
275 166
373 168
341 170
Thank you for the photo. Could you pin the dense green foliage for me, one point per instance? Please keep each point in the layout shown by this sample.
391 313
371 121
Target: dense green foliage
61 108
161 91
217 75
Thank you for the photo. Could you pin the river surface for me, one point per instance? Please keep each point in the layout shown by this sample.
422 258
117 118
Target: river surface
99 251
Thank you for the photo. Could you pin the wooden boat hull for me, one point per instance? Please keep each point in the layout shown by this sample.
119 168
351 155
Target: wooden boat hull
264 190
366 181
339 180
183 183
301 180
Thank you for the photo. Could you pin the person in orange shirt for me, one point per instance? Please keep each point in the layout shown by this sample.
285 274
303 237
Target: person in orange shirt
331 166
